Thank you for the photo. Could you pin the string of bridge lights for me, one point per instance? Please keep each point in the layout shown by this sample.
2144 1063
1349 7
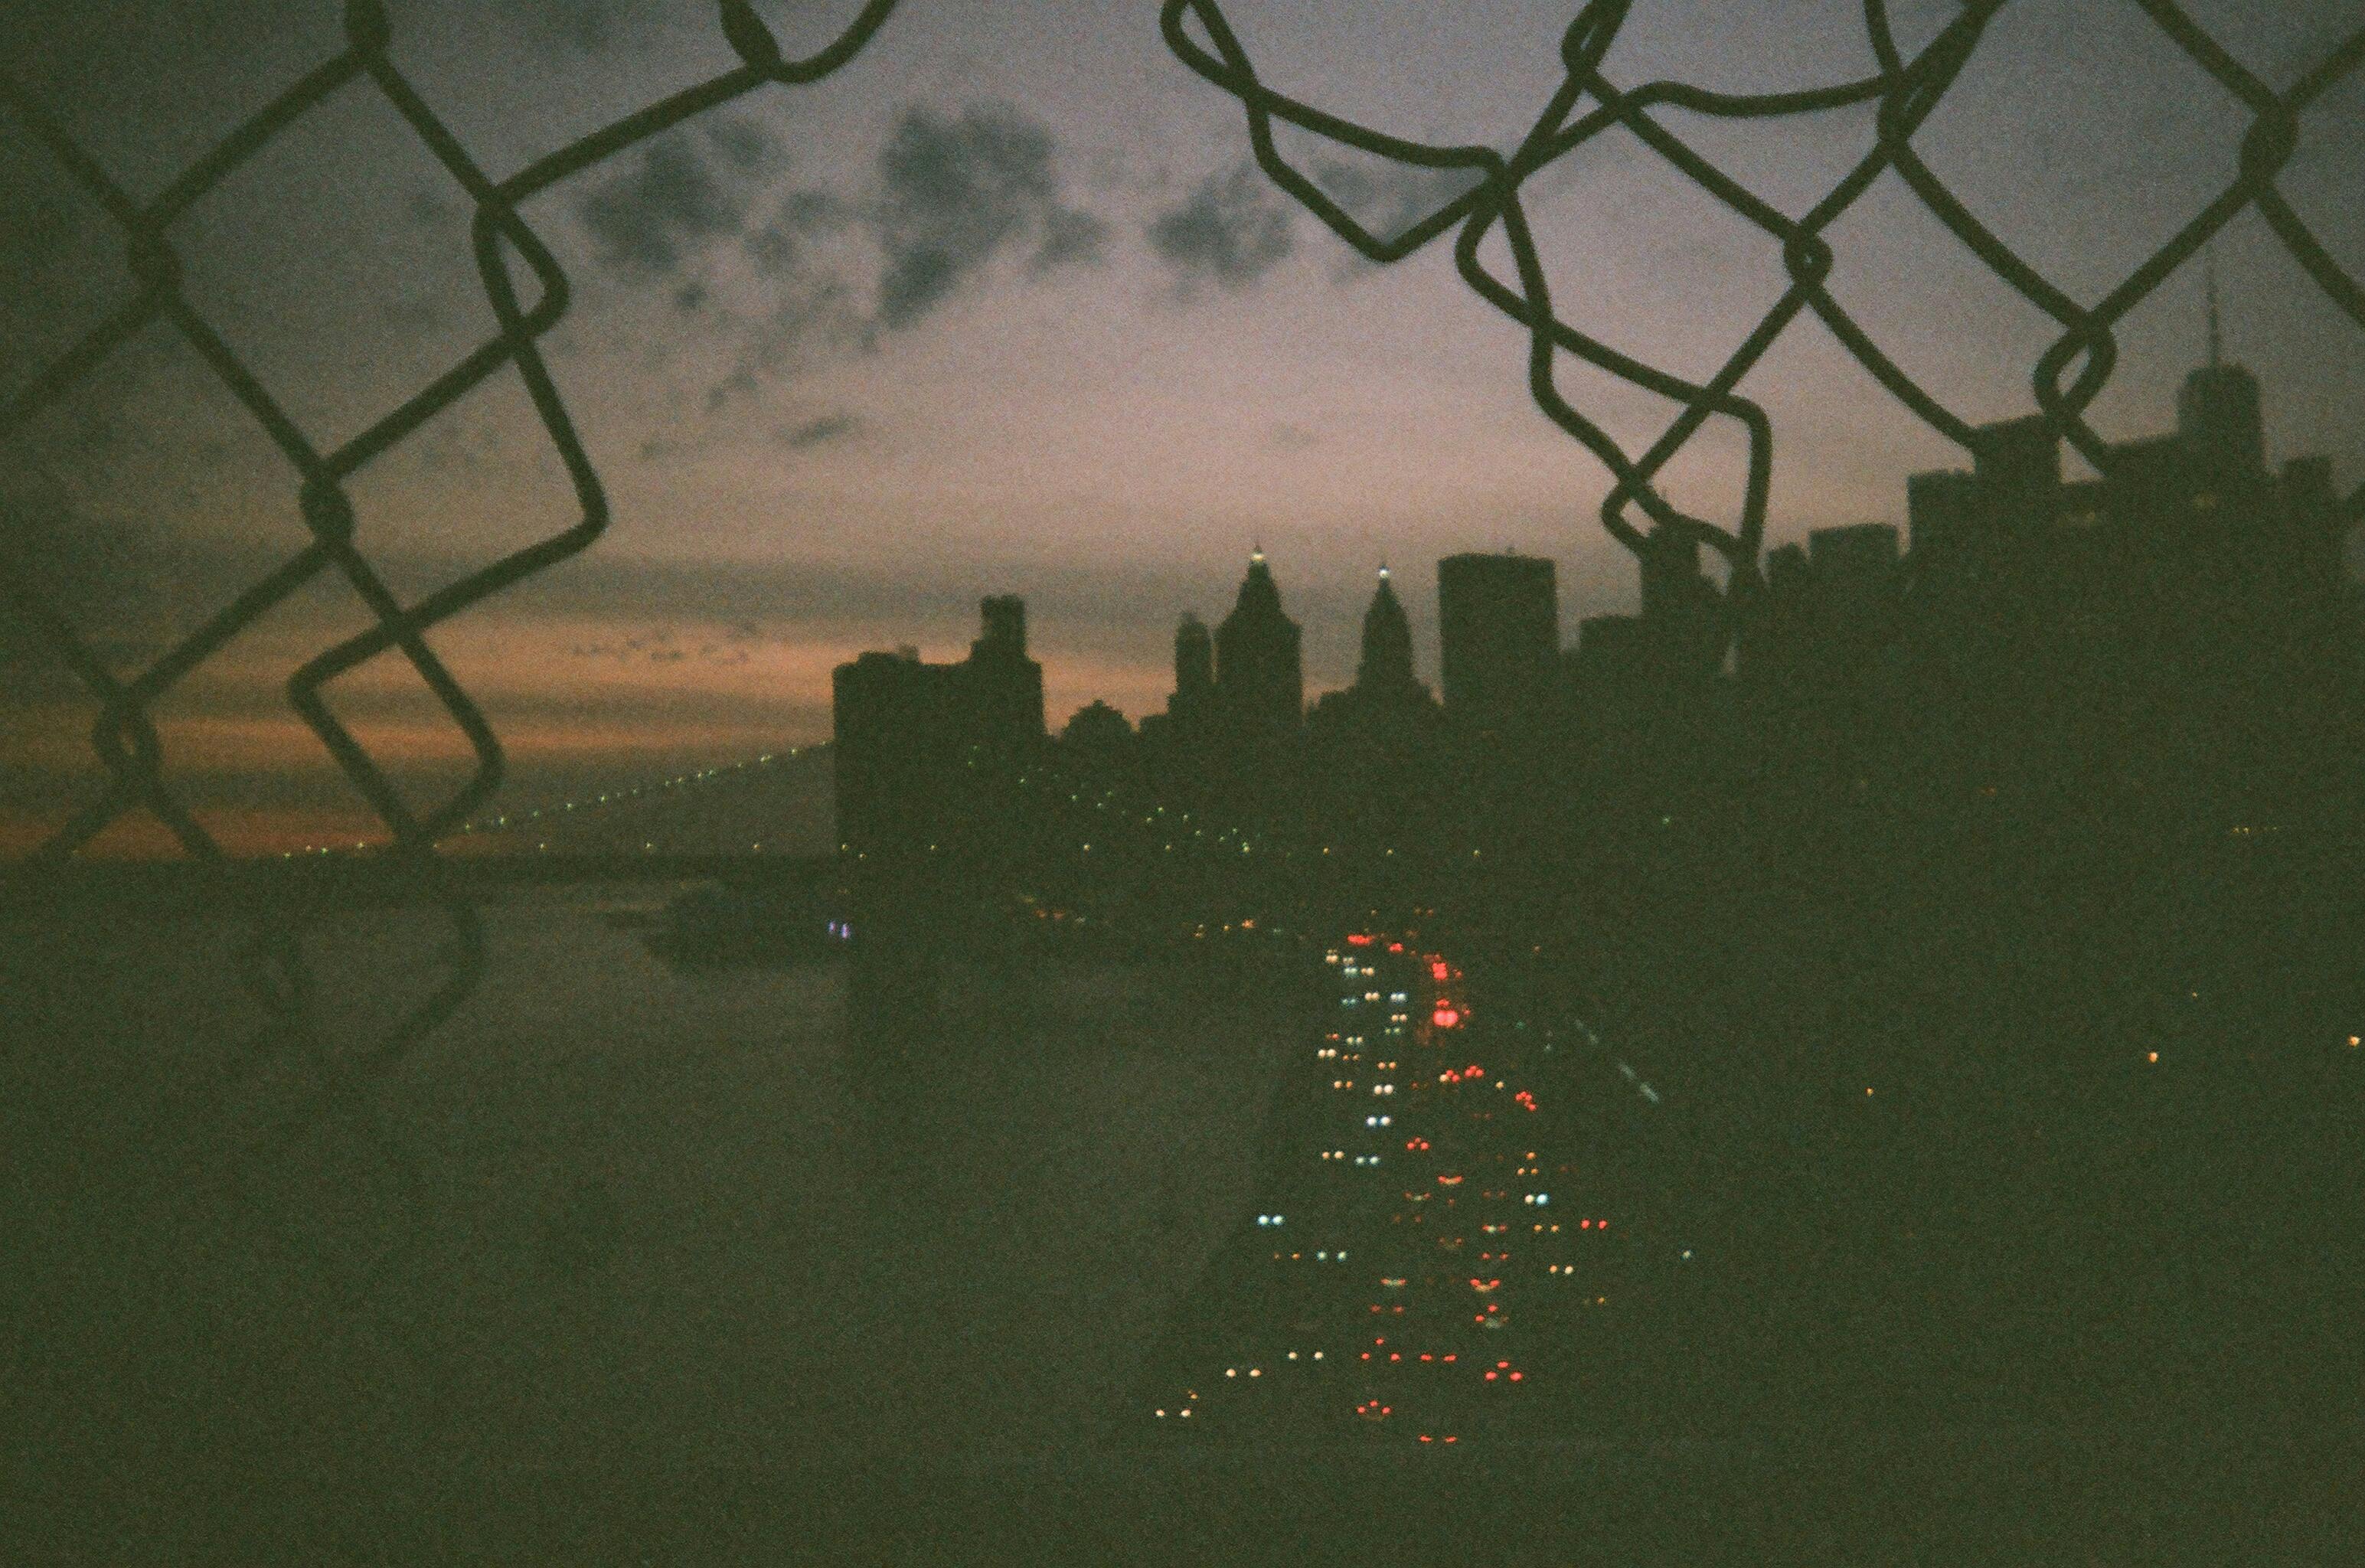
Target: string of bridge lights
506 821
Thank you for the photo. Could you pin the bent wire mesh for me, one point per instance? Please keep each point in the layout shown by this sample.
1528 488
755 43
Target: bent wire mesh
2067 380
526 309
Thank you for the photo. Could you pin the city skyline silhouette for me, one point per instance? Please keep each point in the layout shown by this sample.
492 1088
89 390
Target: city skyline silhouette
1210 781
1258 381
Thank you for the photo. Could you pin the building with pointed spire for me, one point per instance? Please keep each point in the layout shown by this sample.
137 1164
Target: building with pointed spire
1260 676
2218 417
1385 672
1387 695
1376 763
2186 604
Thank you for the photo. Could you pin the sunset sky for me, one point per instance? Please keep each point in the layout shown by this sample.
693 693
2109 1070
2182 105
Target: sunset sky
1001 308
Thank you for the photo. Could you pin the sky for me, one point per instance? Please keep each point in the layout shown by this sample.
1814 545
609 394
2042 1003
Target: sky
1002 307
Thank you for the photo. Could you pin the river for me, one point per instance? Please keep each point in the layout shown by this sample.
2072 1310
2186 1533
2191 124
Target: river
622 1254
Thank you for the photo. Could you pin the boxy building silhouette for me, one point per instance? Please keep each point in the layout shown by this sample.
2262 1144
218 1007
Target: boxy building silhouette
908 734
1498 633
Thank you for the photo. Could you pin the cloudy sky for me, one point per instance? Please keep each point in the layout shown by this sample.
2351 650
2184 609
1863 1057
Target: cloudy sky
1001 307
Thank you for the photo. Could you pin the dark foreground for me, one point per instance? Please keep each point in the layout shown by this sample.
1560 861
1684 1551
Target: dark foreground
630 1264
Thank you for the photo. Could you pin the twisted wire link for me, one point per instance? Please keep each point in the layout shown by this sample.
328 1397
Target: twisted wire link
1904 93
271 960
124 736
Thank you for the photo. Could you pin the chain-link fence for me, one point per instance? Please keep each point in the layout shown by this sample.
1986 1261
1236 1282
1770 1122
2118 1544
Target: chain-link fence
1905 92
529 293
303 1081
526 309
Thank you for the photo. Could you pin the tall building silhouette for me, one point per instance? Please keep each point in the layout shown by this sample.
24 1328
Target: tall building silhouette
2196 511
2217 419
1829 607
1387 705
1858 562
1259 680
2218 411
1194 671
1002 687
1498 626
1177 735
909 736
1609 651
1384 671
1684 616
2140 631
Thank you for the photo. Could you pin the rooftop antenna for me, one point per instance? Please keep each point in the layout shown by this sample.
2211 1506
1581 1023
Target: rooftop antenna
2216 323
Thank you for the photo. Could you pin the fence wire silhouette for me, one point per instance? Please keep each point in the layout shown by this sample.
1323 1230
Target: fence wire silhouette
332 1086
124 737
1904 92
2068 376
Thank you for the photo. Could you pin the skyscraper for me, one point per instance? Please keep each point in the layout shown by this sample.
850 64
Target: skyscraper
2217 413
2018 466
1387 703
898 740
1002 687
1259 682
1178 734
1385 672
1499 622
1194 669
907 733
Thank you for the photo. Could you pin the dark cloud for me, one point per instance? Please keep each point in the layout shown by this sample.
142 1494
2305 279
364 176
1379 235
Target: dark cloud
1070 235
1231 230
1388 198
744 144
775 250
588 26
816 212
914 283
821 431
657 644
780 250
805 309
741 382
955 193
664 206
